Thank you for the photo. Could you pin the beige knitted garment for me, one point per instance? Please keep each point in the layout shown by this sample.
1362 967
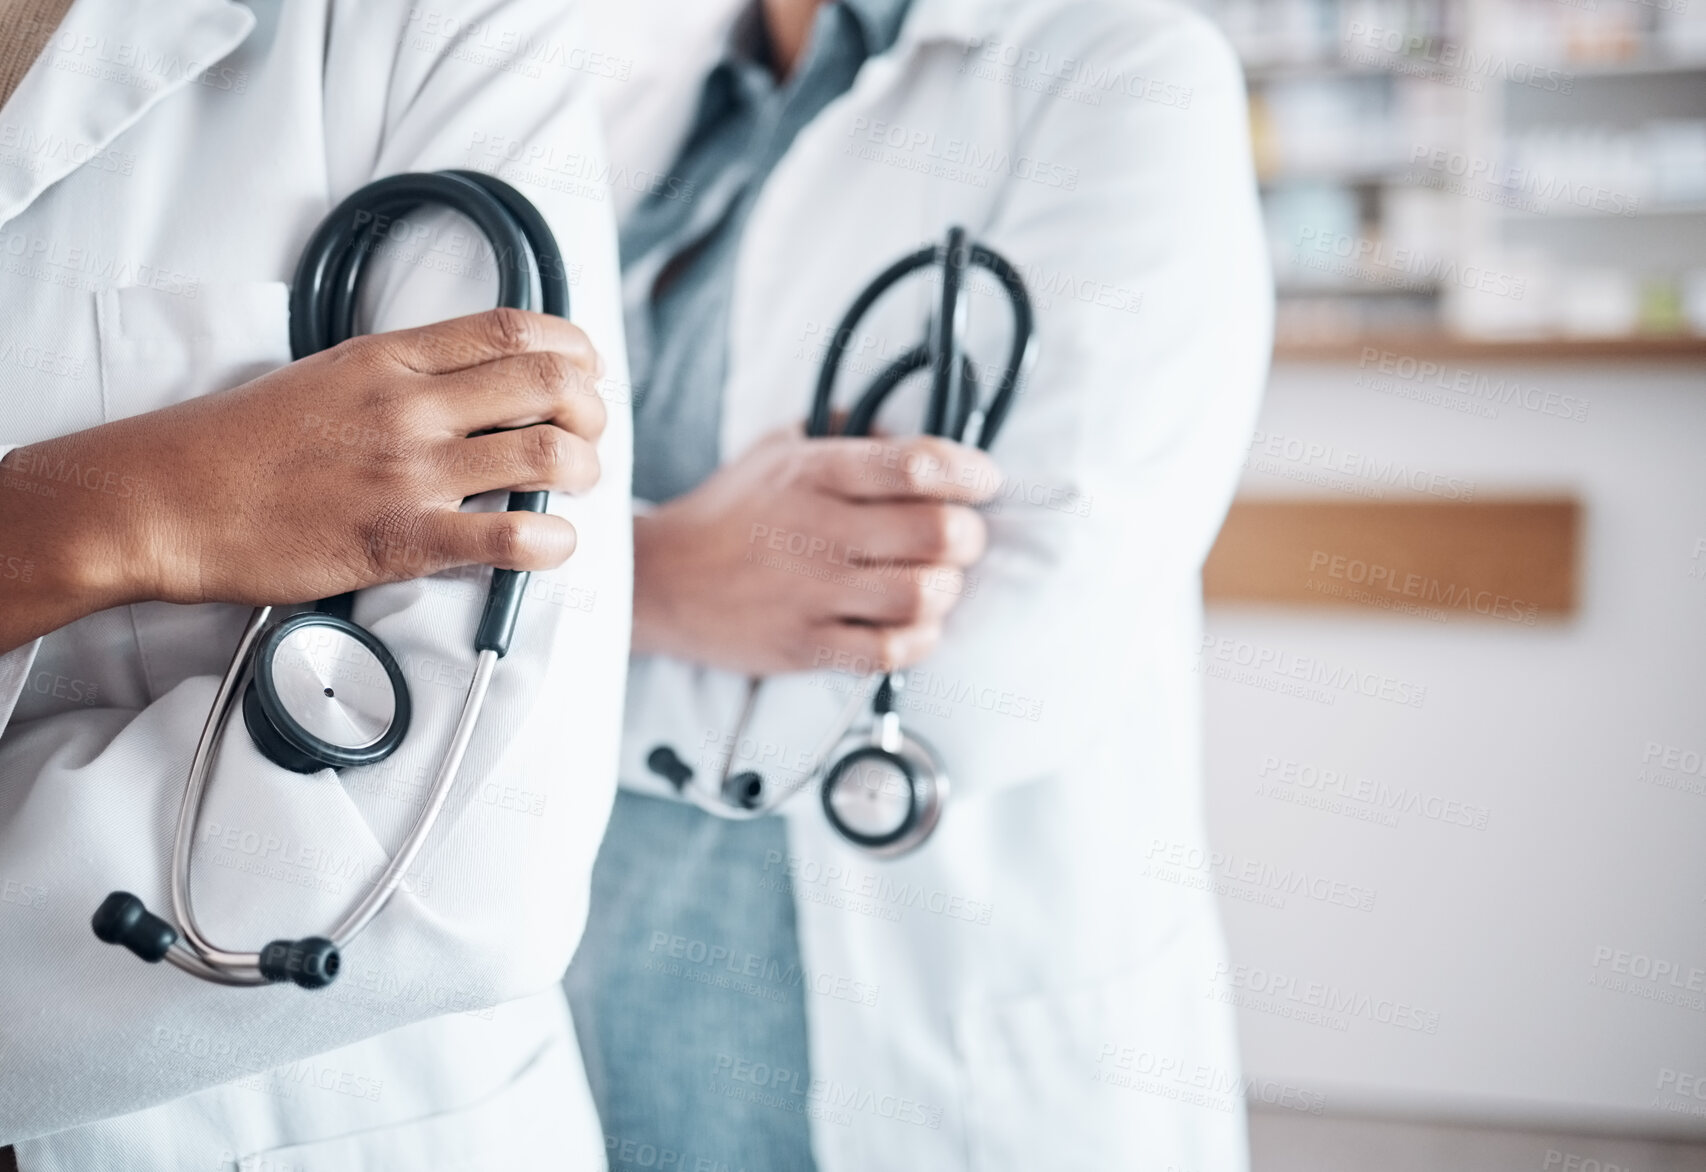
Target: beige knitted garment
25 26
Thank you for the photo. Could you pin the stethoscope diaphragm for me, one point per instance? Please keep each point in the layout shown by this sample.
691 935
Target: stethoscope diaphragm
325 694
885 799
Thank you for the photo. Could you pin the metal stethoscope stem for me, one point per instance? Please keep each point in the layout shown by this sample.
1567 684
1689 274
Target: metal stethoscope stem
197 954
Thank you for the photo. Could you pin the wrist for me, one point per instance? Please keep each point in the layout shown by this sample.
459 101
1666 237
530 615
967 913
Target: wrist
79 523
654 607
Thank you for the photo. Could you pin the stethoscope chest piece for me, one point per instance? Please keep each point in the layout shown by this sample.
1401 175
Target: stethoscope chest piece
325 694
885 791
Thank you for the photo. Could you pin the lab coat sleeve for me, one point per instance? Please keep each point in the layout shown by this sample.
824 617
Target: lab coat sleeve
1137 229
15 664
494 904
1120 457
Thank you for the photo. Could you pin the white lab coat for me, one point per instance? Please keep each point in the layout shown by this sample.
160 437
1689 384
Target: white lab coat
161 167
1021 993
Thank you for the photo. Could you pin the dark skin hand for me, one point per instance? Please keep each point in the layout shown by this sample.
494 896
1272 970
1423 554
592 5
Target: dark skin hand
343 470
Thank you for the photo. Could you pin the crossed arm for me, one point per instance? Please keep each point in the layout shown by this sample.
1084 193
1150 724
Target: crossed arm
265 508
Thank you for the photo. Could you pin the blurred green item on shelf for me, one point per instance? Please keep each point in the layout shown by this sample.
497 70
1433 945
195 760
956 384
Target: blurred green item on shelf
1662 306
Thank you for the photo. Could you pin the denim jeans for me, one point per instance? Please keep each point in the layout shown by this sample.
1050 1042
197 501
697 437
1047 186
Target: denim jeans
688 994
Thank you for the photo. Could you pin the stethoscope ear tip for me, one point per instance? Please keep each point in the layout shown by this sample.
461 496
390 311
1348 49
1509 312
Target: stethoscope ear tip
667 764
312 962
744 790
123 919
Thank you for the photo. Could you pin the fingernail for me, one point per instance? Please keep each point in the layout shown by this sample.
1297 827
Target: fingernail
961 528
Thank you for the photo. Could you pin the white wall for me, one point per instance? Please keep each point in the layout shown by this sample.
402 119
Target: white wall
1490 933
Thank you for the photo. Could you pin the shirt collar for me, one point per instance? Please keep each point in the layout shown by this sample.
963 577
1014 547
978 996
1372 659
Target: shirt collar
879 20
879 23
742 73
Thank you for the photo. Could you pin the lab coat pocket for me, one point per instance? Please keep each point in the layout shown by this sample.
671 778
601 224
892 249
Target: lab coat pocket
542 1119
163 346
1134 1070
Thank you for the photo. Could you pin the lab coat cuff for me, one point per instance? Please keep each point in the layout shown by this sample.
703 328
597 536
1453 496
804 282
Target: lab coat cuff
14 665
14 672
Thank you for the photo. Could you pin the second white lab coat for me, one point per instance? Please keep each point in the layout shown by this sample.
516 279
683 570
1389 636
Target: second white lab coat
161 166
1028 990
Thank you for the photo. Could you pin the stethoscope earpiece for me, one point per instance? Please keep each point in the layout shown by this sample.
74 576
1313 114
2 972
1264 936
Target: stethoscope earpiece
312 962
122 919
745 790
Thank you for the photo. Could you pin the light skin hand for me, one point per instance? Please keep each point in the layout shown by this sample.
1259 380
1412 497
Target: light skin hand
804 549
344 470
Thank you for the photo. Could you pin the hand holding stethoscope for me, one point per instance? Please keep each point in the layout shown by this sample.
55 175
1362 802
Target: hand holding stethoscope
317 690
882 788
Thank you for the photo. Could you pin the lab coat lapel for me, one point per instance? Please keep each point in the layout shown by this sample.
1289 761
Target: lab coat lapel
108 64
965 21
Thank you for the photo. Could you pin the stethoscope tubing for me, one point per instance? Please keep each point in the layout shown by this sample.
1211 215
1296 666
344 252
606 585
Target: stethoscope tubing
195 792
324 299
950 411
944 417
449 766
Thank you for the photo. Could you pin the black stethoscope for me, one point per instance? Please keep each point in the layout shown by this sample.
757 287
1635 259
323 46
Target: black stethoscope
324 692
883 788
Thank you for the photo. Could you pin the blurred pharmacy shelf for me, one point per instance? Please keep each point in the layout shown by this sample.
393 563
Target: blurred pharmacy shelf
1523 175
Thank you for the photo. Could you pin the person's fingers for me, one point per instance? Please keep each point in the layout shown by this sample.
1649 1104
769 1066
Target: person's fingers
541 386
895 596
863 649
881 469
909 532
541 458
483 337
508 541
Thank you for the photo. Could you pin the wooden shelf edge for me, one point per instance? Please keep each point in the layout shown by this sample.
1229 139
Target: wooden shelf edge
1442 346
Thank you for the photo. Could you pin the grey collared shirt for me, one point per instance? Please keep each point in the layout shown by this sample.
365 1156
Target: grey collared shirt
682 251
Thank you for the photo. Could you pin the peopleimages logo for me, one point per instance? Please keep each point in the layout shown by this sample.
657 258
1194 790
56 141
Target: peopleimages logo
1404 268
1681 1084
480 41
38 472
1294 457
921 149
1167 859
886 890
1310 669
1200 1084
1391 799
1074 78
1325 996
1445 164
1445 61
1388 368
1375 576
831 1094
